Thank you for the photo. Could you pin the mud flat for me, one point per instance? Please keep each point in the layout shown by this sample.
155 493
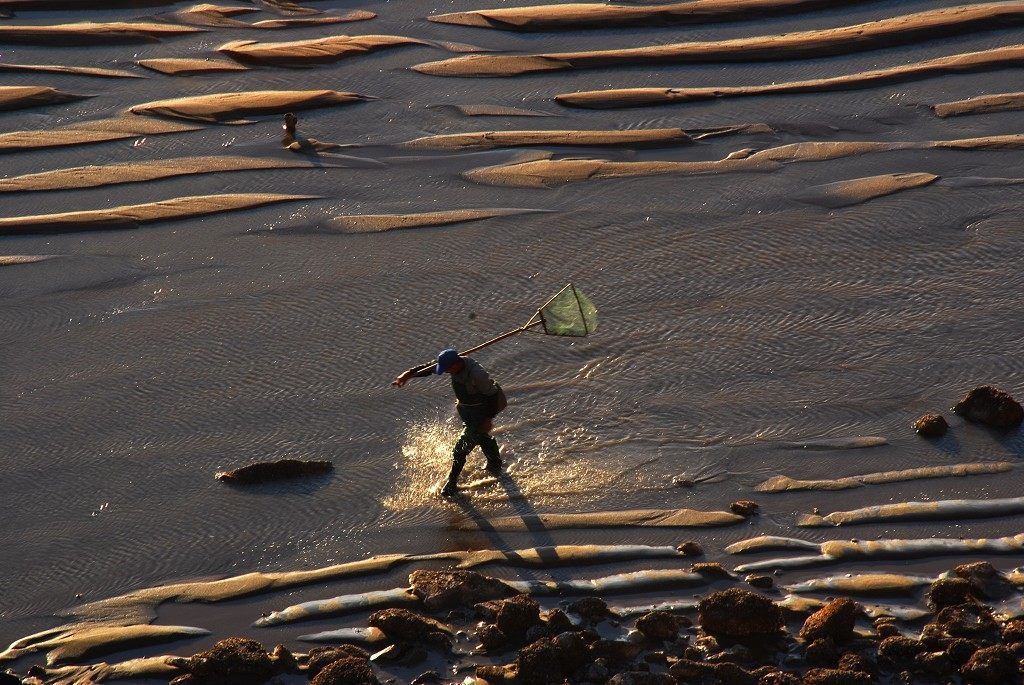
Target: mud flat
372 223
228 107
983 104
184 66
92 33
785 483
131 216
302 53
489 140
579 15
135 172
996 58
816 43
22 97
87 132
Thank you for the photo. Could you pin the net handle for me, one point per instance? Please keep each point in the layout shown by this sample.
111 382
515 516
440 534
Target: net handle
534 321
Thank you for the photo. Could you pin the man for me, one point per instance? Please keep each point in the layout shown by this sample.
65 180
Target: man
480 399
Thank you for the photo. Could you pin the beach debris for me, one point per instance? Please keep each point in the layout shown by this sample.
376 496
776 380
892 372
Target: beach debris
188 66
131 216
578 15
451 589
232 661
949 591
21 97
83 640
941 509
744 507
691 548
931 426
402 625
883 32
991 406
321 657
739 613
93 176
228 107
858 190
665 518
300 53
759 581
983 104
785 483
489 140
374 223
263 472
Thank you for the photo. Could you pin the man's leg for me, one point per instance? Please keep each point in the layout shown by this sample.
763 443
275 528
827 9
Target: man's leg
489 446
463 446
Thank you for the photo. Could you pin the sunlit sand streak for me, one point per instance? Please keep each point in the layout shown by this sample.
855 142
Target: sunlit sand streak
595 15
640 97
641 518
785 483
864 584
88 132
814 43
941 509
983 104
228 107
20 97
842 550
84 640
543 171
89 33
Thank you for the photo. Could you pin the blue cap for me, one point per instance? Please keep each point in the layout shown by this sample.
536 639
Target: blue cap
445 359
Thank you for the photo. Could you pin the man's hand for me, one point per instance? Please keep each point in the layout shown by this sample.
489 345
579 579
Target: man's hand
486 426
401 380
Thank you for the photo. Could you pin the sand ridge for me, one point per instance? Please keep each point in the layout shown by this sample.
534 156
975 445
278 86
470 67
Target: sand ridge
786 484
312 51
576 15
641 518
188 66
983 104
640 97
90 32
20 97
86 132
489 140
940 509
228 107
71 643
372 223
814 43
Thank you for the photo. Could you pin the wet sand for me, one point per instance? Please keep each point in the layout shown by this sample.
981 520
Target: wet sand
753 324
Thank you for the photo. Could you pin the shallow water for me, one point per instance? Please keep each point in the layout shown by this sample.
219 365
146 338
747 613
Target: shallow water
733 316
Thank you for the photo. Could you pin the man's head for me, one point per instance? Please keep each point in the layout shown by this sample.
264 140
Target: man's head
448 361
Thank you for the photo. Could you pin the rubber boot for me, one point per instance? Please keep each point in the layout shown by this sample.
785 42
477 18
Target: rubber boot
489 446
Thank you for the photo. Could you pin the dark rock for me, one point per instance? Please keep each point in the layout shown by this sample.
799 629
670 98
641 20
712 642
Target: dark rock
736 654
986 581
992 666
550 660
779 678
967 620
615 650
947 592
518 614
283 659
265 472
687 670
8 678
537 632
348 671
658 626
712 569
935 664
232 661
822 652
851 661
739 613
590 609
441 590
931 426
498 674
557 621
744 507
759 581
990 406
1018 649
899 652
491 636
402 624
691 548
641 678
832 676
1013 632
960 649
888 629
834 620
321 657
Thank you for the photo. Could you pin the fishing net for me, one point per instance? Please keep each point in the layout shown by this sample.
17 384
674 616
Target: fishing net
570 313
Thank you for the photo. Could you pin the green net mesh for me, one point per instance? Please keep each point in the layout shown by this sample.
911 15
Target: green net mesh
570 312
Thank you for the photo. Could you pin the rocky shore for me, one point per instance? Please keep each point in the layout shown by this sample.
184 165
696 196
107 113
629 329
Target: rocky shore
485 632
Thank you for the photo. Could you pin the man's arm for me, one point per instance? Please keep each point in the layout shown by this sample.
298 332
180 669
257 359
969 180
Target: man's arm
415 372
